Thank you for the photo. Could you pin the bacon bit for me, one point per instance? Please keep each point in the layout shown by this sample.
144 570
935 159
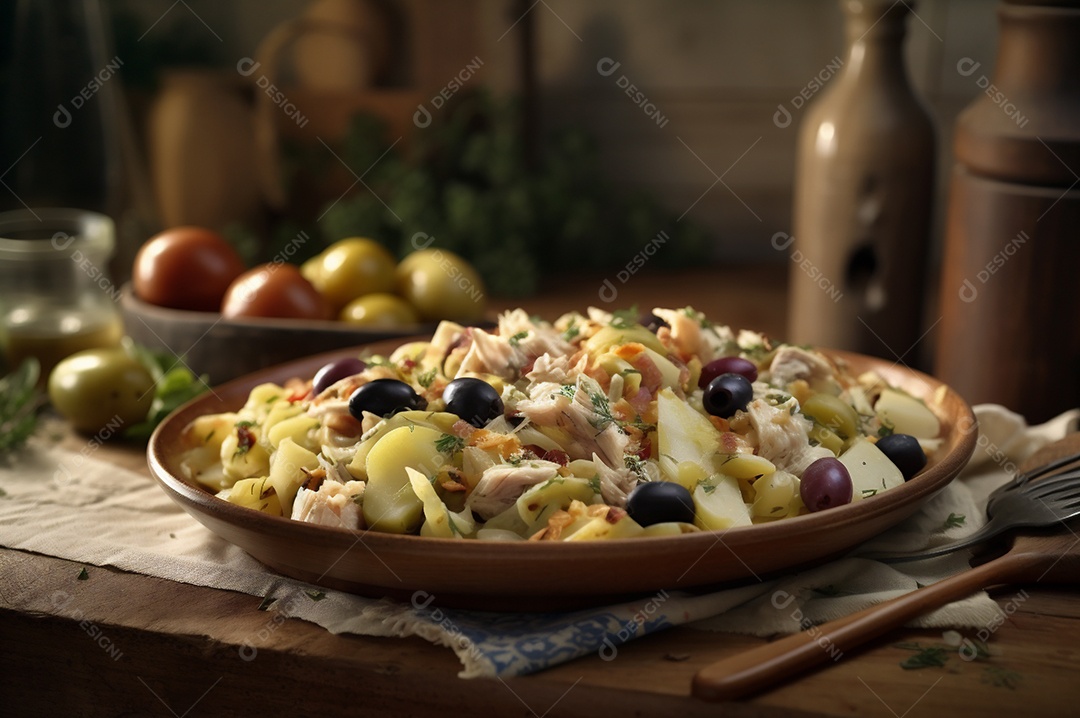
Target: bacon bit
344 424
600 376
408 364
539 535
651 378
528 367
453 486
462 429
506 444
645 451
614 515
732 443
556 456
315 478
720 423
641 400
298 389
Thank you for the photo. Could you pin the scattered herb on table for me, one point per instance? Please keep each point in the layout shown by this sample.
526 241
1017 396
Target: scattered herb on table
266 603
926 657
954 520
83 575
1001 677
315 595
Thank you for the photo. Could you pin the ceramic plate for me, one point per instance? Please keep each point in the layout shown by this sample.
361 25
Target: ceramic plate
550 575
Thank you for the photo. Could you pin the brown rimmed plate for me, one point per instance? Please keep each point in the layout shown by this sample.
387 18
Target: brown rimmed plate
550 575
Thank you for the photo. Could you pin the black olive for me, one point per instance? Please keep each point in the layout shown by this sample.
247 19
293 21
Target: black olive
652 322
727 394
474 400
657 502
384 397
904 451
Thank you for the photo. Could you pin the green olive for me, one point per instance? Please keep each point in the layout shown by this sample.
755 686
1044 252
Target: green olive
379 310
349 269
833 413
441 285
100 390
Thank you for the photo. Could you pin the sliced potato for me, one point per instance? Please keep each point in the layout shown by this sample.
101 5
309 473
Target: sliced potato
390 504
871 471
257 494
289 470
906 415
718 504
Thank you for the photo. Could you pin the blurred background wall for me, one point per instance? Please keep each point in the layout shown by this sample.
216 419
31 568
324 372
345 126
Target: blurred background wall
706 134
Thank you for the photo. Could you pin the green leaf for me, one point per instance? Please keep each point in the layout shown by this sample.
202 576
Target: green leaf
19 404
625 318
83 575
174 385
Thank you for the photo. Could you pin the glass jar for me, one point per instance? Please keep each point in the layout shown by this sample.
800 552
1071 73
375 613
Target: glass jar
56 297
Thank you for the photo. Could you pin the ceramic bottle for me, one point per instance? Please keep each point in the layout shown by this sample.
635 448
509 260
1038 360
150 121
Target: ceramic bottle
863 196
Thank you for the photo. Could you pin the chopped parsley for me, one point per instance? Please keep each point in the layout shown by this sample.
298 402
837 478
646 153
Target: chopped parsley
884 431
869 492
602 409
516 339
571 331
594 484
707 488
426 378
568 390
449 444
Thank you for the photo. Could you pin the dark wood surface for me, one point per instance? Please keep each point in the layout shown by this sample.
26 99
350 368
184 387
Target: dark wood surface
146 646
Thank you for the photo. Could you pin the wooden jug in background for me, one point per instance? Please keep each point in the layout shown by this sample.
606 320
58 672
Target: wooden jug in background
1010 300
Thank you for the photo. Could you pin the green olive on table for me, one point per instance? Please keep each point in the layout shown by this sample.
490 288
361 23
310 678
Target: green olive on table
101 389
349 269
441 285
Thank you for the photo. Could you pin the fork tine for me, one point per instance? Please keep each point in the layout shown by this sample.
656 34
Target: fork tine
1049 486
1046 469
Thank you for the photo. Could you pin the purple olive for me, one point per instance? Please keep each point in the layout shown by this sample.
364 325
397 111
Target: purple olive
335 371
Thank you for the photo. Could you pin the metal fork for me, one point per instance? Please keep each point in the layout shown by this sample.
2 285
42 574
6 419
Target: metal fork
1028 504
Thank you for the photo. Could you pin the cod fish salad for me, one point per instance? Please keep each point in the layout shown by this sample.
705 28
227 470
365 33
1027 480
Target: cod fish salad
597 426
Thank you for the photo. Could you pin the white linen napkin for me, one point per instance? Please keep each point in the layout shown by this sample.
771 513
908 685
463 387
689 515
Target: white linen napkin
73 506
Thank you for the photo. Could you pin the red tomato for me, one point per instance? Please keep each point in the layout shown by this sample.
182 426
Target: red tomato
185 268
274 290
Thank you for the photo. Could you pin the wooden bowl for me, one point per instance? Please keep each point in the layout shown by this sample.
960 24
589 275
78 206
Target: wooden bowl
538 576
227 348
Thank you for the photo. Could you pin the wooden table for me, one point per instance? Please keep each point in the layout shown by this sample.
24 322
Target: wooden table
147 646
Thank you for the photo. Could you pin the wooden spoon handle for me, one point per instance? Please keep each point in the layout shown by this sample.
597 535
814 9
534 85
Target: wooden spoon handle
768 665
